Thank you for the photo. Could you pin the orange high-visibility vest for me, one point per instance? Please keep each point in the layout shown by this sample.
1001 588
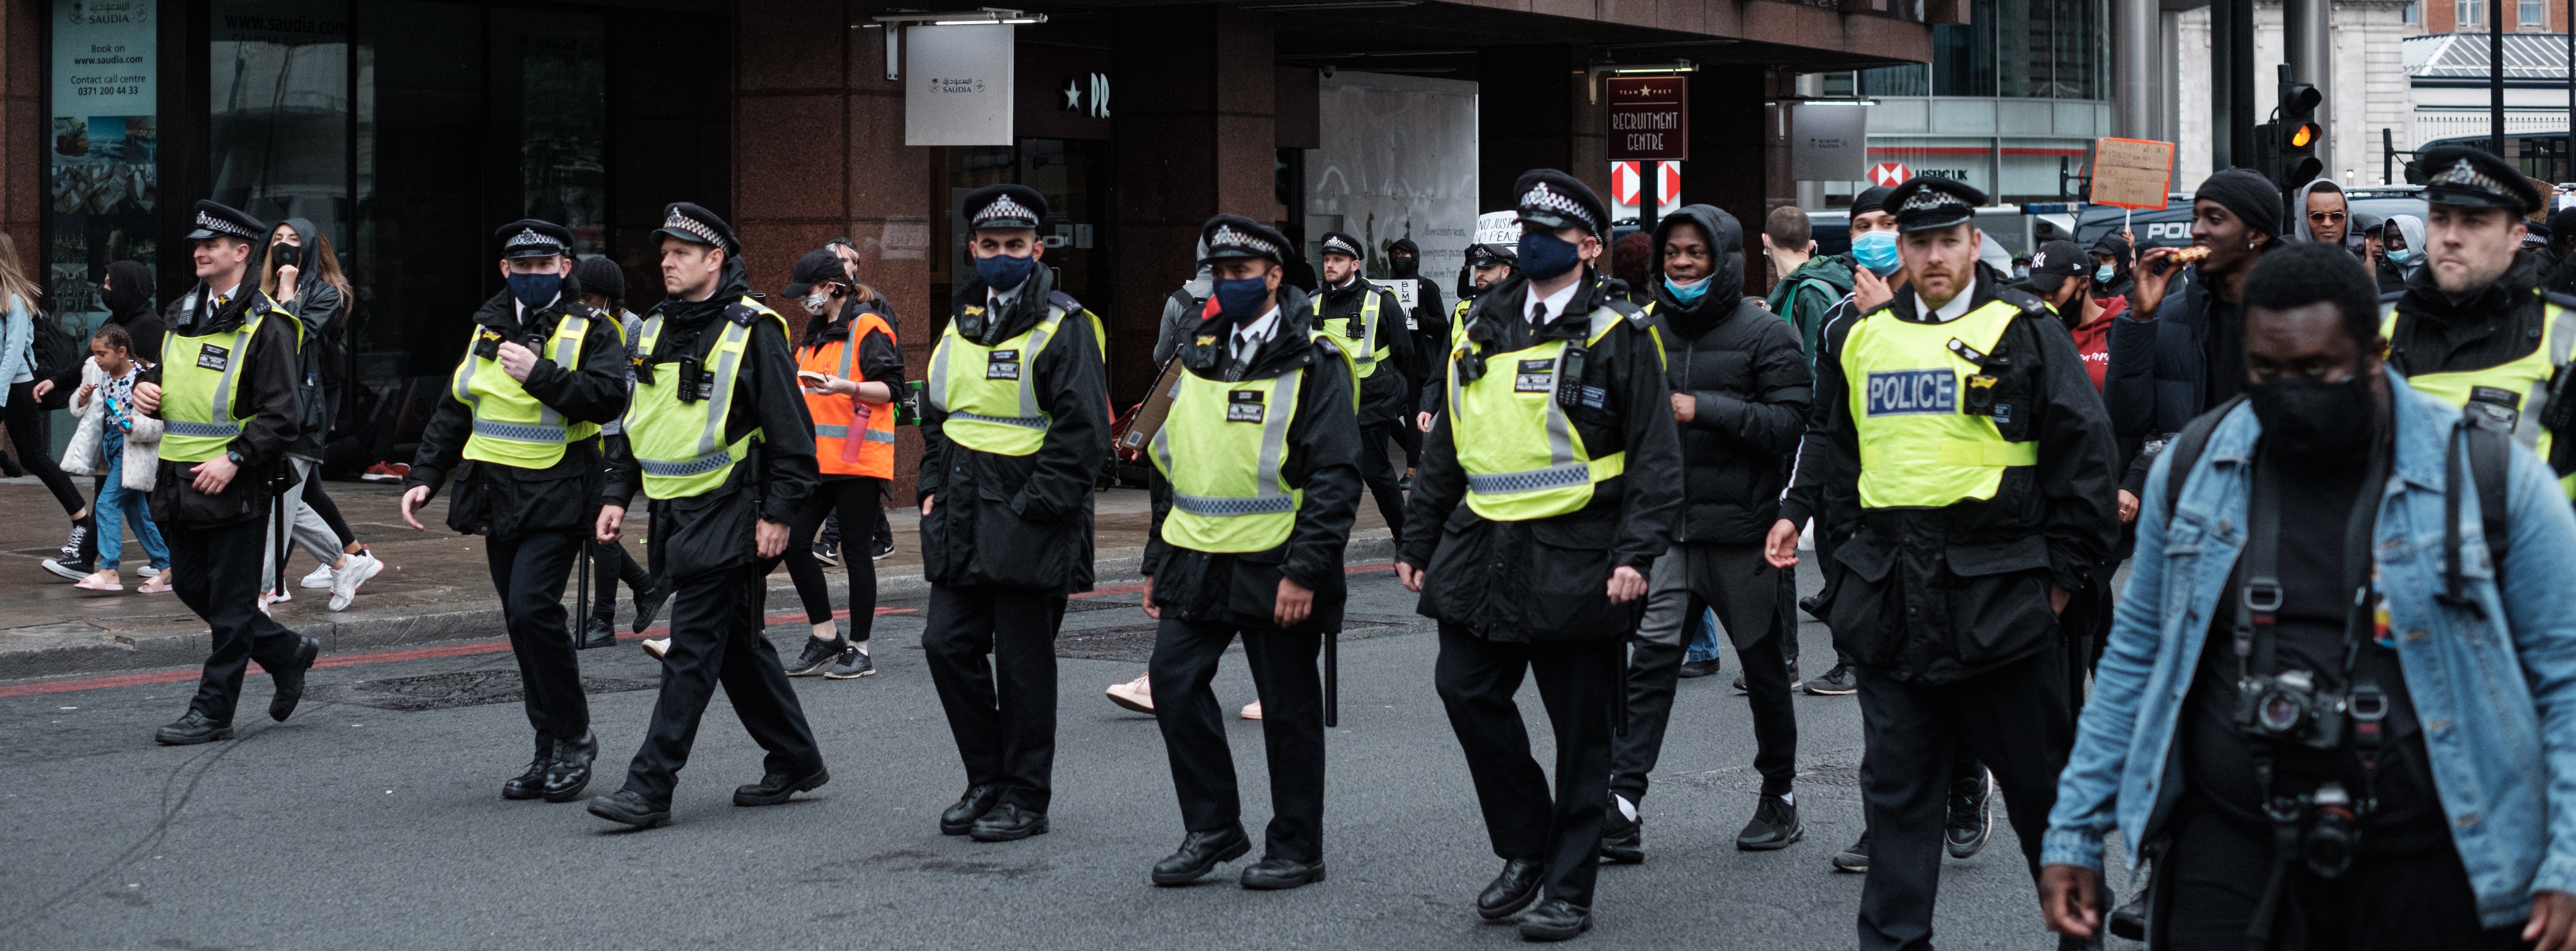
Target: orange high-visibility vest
838 450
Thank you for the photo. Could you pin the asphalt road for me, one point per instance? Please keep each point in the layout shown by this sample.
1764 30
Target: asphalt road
366 823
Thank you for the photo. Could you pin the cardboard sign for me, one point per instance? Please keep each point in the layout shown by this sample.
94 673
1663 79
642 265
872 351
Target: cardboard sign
1649 118
1501 229
2131 173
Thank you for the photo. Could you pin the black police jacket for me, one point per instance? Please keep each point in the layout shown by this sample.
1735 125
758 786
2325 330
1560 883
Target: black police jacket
504 501
1322 459
265 392
1385 396
1935 595
1022 521
2500 323
1547 579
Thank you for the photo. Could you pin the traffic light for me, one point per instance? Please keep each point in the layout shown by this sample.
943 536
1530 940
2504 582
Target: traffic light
2297 134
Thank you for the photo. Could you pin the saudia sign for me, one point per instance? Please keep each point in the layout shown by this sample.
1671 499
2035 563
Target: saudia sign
1649 118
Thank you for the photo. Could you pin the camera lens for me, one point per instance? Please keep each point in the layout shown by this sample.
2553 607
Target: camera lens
2280 712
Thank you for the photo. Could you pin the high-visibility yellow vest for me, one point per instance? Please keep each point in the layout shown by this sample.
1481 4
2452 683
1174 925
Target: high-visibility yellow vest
679 446
1908 388
511 427
990 393
1523 458
1364 349
197 378
2512 392
1222 448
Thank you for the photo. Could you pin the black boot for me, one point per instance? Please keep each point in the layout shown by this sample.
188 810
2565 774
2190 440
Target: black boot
1774 826
1199 854
631 808
775 788
648 604
193 729
532 783
568 771
597 632
1510 891
290 680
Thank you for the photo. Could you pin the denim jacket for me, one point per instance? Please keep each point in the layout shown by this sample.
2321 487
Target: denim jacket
2497 701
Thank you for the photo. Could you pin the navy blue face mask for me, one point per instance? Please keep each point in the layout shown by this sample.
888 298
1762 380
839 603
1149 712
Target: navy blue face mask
535 290
1546 257
1003 272
1239 300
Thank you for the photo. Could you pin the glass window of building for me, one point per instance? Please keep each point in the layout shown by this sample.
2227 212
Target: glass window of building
2533 13
2470 13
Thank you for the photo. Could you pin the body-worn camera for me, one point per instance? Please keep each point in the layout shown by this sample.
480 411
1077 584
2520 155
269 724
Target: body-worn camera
2287 707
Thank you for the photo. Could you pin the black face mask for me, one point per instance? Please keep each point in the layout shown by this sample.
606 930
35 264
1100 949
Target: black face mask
2312 423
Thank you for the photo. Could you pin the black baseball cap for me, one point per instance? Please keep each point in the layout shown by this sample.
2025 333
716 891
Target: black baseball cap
816 267
2056 261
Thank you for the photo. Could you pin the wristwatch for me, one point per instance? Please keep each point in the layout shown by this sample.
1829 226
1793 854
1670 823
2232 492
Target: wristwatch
235 456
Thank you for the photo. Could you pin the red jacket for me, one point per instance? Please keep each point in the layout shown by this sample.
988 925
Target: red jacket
2093 340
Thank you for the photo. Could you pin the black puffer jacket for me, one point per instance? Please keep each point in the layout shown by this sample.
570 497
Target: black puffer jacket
1748 382
317 305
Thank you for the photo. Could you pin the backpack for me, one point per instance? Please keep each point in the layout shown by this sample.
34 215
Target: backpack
2490 462
59 345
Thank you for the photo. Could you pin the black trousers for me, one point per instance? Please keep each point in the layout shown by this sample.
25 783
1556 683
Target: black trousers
991 652
715 638
529 573
2212 875
2013 718
1784 616
1292 730
852 498
220 577
321 504
1378 471
30 435
609 565
1747 589
1579 685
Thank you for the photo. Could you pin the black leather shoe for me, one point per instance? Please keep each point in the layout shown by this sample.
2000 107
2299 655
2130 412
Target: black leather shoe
630 807
1510 891
191 730
1698 668
1555 920
568 773
1623 840
774 788
1270 875
1008 823
1199 854
597 632
961 817
290 681
1972 815
1774 826
648 604
532 783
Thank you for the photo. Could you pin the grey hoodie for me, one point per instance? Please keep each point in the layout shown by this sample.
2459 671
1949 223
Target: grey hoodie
1178 321
2299 211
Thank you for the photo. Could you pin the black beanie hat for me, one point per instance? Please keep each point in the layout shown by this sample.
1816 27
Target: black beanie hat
2246 194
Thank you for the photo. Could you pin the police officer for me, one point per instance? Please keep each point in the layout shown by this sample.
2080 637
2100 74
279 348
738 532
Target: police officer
1258 477
2473 326
1367 322
1014 427
519 430
1971 466
1487 266
225 391
718 439
1559 439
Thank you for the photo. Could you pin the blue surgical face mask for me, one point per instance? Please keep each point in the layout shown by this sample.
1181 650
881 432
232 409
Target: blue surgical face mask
1240 299
1003 272
2401 255
1687 293
1876 250
535 290
1546 257
2103 274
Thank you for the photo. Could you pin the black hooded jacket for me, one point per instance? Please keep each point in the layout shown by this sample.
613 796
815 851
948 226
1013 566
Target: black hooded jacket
1547 579
129 305
318 305
263 390
1384 395
505 501
1747 379
1322 460
1429 321
713 530
1020 521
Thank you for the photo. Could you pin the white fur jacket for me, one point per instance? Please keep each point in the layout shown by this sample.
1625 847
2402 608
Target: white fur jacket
142 443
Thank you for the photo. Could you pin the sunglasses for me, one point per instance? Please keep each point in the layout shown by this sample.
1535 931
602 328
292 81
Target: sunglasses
2326 217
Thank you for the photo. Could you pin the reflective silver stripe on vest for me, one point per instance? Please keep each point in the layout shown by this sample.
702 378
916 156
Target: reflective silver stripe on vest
519 432
822 431
1222 507
685 467
178 427
1563 468
880 435
1268 498
546 416
1552 477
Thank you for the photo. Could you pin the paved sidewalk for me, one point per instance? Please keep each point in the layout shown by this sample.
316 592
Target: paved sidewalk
435 586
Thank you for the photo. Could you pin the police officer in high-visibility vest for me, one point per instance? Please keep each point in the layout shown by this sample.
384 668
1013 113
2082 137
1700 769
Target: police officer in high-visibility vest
518 431
1367 321
850 370
1968 464
1559 440
1487 266
1257 478
1015 424
225 391
718 438
2473 326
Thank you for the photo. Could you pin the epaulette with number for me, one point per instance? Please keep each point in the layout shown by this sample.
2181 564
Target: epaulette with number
2030 304
1064 302
1637 316
743 312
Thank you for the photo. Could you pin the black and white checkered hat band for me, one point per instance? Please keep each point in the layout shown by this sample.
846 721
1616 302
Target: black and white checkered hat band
2461 174
1335 244
224 226
1546 199
1226 237
692 227
1933 200
529 236
1004 208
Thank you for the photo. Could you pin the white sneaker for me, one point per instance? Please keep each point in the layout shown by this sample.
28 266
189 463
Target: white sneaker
279 597
266 599
656 646
1137 694
353 571
320 578
1252 711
